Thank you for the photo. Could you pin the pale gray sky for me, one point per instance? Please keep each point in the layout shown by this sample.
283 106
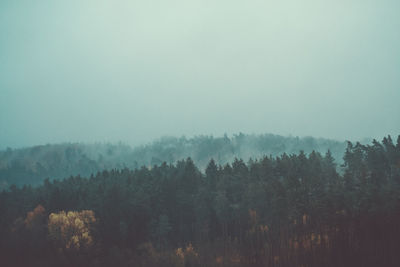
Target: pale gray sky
132 71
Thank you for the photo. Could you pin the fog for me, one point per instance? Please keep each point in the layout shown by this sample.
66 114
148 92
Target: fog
133 71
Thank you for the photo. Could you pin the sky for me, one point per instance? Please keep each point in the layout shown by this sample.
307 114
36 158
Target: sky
134 71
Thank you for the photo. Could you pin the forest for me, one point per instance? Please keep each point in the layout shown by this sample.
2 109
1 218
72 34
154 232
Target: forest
291 209
56 161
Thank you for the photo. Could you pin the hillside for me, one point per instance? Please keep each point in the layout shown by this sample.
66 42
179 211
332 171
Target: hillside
33 164
280 211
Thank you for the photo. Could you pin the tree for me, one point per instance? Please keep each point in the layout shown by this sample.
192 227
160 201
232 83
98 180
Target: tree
211 175
71 230
161 229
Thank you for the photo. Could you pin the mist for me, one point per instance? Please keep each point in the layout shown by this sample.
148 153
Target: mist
133 71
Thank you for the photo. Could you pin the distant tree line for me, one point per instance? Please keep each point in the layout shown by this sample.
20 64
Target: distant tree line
289 210
33 165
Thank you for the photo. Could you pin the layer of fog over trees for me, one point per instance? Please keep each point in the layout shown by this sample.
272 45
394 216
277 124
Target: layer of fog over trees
33 164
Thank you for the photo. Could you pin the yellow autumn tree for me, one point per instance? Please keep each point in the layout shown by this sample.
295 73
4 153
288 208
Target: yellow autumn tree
187 256
71 230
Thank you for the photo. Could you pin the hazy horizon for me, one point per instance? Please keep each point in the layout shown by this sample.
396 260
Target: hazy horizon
134 71
133 145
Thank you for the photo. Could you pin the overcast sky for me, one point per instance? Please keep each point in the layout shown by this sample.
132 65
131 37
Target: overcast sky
133 71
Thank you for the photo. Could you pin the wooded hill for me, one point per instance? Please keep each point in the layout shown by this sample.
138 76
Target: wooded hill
289 210
32 165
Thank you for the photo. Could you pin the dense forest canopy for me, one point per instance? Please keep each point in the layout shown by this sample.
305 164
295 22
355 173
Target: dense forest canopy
288 210
32 165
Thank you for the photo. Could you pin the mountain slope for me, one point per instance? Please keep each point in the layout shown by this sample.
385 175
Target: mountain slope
32 165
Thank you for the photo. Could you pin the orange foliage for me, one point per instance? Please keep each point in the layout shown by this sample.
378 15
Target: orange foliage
34 217
264 228
189 251
186 255
180 253
72 229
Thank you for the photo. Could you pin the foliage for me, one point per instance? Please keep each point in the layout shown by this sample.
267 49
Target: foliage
34 164
289 210
71 230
